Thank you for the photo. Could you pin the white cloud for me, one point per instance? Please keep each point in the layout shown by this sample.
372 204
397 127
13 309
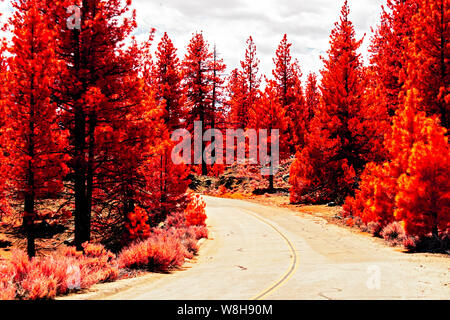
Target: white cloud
228 23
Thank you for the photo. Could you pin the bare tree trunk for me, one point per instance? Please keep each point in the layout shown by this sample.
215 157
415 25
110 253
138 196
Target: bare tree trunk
28 222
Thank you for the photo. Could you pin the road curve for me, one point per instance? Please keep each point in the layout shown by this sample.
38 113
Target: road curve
258 252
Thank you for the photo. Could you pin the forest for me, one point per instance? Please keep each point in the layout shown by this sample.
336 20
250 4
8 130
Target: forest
87 113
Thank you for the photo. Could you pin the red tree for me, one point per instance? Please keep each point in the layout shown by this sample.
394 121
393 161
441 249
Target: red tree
197 84
412 185
428 58
98 87
244 86
287 76
4 207
218 104
252 80
236 92
312 98
325 169
388 49
270 114
168 78
32 136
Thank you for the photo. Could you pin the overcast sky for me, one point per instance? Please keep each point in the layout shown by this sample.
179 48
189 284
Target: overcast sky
228 23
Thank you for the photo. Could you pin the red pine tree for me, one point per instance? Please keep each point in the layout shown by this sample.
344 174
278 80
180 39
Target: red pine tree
4 170
270 114
326 167
218 116
97 89
287 75
388 49
244 87
168 82
34 140
428 58
197 84
312 98
236 92
412 186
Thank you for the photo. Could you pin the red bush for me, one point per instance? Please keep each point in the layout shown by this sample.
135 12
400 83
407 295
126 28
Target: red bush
97 265
394 233
195 211
37 285
56 274
137 226
160 252
200 232
7 287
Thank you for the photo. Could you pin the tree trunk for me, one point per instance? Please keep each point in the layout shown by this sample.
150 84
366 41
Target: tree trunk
82 221
28 222
204 166
81 212
271 187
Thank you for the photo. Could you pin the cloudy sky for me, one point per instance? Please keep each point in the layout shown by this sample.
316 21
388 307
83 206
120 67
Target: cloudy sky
228 23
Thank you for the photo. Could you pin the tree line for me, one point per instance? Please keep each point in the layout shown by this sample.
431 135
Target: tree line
86 116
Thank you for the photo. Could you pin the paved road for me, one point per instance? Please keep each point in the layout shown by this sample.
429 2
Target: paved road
258 252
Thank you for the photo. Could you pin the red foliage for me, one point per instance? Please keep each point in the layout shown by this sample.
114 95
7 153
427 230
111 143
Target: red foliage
7 287
167 74
413 186
423 198
137 226
374 200
388 50
161 251
243 87
195 211
428 56
312 99
48 276
326 168
287 76
34 140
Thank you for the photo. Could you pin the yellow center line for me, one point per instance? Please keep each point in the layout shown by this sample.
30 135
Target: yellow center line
292 268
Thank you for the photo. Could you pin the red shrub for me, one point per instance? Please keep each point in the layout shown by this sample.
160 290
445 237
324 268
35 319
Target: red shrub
57 267
200 232
7 291
374 228
20 263
137 226
161 251
7 287
393 233
64 270
195 211
222 190
176 220
410 243
38 286
97 265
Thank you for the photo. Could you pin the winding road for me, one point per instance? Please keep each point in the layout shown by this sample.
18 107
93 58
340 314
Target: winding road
258 252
